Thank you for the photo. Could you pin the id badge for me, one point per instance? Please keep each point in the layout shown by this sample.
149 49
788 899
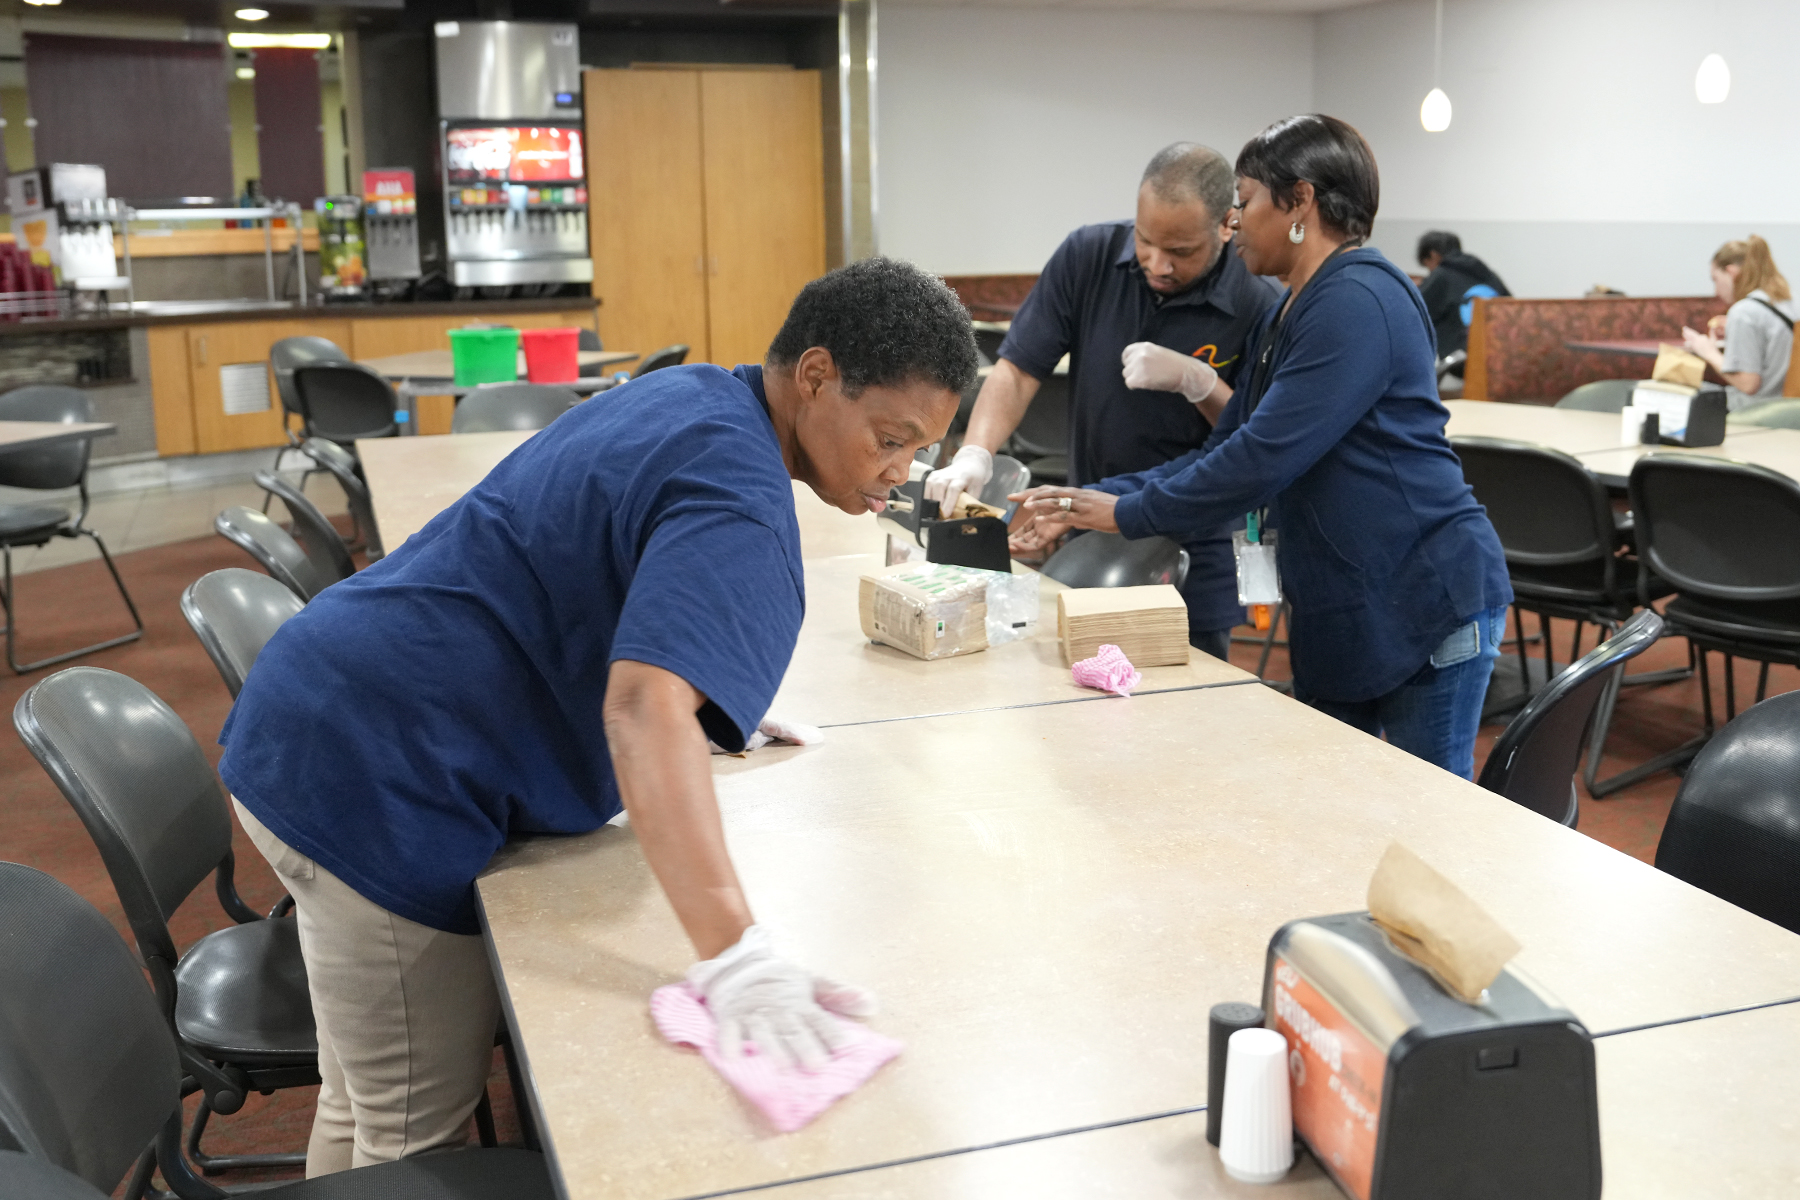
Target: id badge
1258 580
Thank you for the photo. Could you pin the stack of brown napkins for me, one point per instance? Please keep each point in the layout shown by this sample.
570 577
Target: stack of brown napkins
1148 623
1434 923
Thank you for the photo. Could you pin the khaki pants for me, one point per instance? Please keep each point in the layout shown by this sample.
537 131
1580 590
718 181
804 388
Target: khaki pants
406 1018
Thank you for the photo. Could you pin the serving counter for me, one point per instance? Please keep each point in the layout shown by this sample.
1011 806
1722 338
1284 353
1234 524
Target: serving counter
162 372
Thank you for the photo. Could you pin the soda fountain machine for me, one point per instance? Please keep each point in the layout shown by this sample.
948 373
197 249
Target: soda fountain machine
514 170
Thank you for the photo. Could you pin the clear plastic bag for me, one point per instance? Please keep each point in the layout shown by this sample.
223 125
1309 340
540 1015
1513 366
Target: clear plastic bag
1012 606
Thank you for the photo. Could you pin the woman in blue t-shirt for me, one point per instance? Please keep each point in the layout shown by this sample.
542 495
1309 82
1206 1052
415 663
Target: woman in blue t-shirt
560 642
1397 582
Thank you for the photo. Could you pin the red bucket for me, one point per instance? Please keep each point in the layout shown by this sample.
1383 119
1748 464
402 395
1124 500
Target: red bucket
550 355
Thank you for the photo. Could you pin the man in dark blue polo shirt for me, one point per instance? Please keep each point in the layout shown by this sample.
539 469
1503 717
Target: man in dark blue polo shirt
1153 314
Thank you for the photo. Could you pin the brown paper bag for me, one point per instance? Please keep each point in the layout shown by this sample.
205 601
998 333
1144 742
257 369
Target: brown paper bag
1677 364
1431 921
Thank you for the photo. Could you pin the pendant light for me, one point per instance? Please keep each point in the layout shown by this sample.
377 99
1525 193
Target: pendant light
1712 82
1434 113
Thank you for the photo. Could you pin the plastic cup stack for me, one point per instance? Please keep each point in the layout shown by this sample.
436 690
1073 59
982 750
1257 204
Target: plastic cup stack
1256 1140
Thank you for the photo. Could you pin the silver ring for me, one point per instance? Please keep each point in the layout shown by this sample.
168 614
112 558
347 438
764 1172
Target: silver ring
1065 503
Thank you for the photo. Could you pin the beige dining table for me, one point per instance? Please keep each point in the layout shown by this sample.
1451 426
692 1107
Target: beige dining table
1048 899
24 435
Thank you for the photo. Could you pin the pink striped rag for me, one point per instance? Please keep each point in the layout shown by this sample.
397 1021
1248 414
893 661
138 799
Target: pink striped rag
1109 670
789 1096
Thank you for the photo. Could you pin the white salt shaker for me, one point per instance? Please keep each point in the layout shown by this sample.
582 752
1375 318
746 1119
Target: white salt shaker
1256 1137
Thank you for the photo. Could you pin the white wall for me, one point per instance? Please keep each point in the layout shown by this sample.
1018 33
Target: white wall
1578 153
1000 130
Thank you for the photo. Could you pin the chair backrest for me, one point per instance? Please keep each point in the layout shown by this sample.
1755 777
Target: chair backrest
1044 429
343 467
133 773
1602 395
587 339
501 406
1735 827
1535 759
1548 509
31 1178
1114 560
234 613
292 352
58 466
1778 414
988 339
270 545
668 356
344 401
1010 475
88 1067
1718 529
312 529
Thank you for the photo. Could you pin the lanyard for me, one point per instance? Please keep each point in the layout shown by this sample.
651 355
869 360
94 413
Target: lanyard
1261 374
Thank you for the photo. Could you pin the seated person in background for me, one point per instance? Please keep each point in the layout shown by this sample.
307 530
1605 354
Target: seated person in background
1153 314
1759 327
1452 281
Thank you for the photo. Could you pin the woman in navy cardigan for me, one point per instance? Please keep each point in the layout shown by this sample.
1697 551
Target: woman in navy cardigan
1396 580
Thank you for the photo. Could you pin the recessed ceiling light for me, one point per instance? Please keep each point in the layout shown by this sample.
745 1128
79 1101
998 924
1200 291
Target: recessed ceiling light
246 72
43 3
251 14
262 41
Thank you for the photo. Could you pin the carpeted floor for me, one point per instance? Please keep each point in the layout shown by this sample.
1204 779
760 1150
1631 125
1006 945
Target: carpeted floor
64 606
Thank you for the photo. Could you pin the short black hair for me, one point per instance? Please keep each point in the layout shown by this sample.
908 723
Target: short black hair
1438 242
1325 152
886 323
1190 171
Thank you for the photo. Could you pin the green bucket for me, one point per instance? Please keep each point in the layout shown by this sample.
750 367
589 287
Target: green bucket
484 355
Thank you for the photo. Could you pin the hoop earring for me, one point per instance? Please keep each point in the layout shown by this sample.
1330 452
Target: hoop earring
1296 233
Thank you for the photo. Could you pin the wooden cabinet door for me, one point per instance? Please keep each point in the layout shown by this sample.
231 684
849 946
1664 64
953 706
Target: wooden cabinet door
646 208
765 203
213 350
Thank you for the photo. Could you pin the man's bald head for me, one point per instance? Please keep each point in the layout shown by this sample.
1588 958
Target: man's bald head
1187 171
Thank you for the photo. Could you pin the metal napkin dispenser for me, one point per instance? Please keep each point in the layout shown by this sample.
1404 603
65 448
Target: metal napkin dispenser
1404 1092
978 542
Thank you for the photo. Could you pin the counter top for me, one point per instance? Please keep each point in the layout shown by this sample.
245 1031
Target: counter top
252 310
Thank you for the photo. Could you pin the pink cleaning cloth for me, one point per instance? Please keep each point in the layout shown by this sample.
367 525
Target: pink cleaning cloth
1109 670
789 1096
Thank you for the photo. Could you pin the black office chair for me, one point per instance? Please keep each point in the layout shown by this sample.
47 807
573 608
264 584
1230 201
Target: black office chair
1774 414
272 547
586 340
1569 559
1536 759
234 613
1113 560
133 773
343 467
345 401
503 406
1602 395
668 356
56 467
89 1076
314 531
1726 536
1735 827
284 356
1041 441
989 336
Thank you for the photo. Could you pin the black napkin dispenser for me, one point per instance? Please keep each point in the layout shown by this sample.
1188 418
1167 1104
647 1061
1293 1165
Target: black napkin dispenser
1404 1092
978 542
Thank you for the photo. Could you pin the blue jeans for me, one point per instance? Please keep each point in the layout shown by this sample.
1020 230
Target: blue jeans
1435 714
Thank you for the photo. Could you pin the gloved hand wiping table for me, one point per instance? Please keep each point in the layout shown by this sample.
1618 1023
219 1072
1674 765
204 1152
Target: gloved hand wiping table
774 1029
773 728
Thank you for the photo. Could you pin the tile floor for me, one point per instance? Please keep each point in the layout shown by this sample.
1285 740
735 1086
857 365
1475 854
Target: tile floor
135 520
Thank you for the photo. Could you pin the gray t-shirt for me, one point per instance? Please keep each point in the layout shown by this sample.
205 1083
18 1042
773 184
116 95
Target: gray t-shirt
1758 340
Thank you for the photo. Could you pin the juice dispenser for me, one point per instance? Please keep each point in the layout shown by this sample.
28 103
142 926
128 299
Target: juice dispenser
343 274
